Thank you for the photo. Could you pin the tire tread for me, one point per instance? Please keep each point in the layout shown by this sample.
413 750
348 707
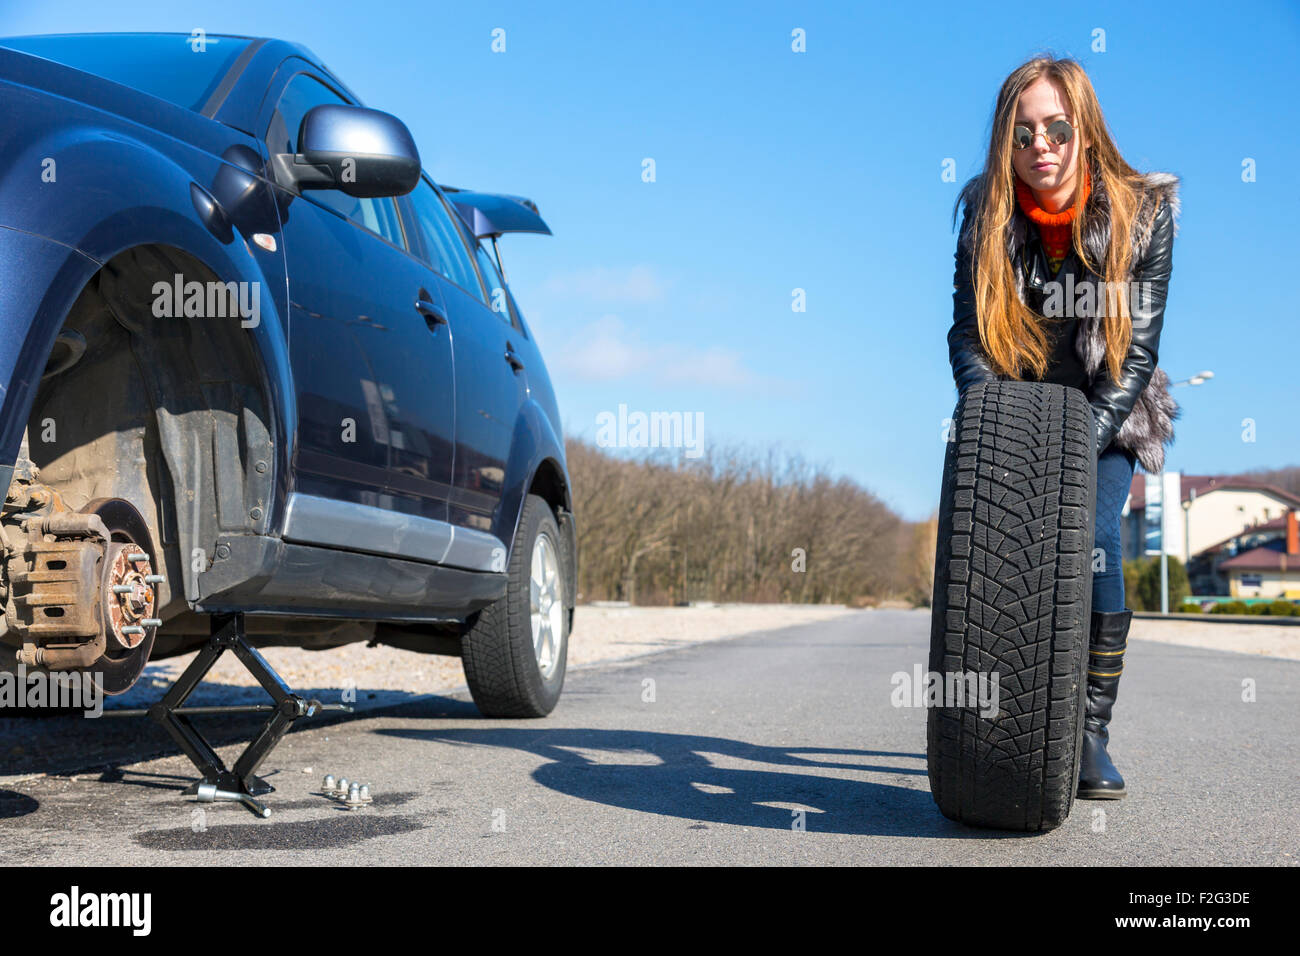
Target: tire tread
1012 595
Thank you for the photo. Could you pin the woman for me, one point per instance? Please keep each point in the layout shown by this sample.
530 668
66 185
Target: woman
1056 213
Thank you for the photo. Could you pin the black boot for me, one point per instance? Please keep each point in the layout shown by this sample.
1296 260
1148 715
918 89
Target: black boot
1098 778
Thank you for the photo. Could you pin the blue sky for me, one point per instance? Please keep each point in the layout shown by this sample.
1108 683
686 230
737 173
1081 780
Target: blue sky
821 171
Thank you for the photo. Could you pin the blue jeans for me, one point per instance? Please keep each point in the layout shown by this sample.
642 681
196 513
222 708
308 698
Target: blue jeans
1114 475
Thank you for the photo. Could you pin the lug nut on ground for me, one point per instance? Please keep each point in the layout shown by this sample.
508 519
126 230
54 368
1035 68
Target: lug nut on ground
352 795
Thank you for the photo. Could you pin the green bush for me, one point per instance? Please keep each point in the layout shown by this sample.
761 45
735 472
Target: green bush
1142 583
1279 609
1190 607
1229 607
1260 609
1132 574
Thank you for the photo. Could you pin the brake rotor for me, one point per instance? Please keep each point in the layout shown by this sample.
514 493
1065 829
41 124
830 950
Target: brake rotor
128 597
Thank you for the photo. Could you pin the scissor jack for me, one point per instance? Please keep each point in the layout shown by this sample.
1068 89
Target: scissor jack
240 783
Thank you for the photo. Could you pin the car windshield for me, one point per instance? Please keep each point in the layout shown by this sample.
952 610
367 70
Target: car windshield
171 66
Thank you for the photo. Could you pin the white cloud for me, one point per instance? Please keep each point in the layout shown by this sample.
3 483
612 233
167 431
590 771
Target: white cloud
608 350
632 285
713 366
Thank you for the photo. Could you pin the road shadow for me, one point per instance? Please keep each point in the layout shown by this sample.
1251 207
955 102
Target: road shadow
15 804
704 779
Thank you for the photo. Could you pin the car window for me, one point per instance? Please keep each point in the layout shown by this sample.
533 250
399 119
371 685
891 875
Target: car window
444 246
303 93
497 298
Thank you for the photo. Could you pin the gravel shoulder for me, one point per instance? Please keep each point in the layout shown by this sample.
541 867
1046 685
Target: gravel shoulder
1267 640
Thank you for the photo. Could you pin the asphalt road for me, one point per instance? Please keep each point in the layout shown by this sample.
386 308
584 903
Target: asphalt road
710 763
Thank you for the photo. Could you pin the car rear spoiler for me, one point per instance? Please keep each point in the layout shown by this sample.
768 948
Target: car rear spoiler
494 214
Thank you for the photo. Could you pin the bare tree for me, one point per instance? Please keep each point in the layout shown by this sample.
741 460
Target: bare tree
739 524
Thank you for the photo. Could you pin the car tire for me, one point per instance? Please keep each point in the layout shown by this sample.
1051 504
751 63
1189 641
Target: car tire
1013 596
508 668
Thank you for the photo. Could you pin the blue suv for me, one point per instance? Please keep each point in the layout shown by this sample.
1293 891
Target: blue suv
256 360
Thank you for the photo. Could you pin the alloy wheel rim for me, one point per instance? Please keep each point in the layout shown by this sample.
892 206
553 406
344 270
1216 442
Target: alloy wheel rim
546 605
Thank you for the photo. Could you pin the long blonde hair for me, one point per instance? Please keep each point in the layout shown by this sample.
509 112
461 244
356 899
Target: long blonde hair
1012 333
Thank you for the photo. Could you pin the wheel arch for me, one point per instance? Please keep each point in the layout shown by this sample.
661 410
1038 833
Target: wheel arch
190 419
538 459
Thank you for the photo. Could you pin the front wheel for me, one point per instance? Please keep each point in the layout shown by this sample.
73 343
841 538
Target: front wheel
515 651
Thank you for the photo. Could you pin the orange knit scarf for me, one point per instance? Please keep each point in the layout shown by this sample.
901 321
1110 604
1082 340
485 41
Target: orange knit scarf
1054 227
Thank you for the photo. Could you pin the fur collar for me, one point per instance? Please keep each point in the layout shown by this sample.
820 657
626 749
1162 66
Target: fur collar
1149 427
1096 232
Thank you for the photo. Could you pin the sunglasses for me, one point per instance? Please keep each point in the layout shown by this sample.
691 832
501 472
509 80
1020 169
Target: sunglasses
1058 133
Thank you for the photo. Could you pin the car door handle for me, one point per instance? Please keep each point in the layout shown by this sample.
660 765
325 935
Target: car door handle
512 359
433 316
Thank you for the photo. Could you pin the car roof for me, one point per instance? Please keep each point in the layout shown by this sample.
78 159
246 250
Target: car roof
240 93
291 49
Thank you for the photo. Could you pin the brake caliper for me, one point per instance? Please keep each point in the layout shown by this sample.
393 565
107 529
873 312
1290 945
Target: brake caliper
55 575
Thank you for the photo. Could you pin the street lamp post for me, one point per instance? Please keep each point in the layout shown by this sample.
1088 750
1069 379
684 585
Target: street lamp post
1200 378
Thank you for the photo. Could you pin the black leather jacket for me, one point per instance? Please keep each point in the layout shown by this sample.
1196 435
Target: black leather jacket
1111 400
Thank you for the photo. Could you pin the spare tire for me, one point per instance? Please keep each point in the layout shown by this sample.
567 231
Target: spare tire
1012 598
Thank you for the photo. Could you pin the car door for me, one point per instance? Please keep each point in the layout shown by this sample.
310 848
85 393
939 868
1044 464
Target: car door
370 350
490 384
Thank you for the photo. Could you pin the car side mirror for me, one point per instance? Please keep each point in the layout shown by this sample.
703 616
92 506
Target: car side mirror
364 153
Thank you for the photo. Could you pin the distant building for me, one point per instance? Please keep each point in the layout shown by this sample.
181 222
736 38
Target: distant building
1270 569
1221 517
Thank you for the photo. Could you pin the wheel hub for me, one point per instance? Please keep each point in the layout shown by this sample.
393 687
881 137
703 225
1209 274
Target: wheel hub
131 595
